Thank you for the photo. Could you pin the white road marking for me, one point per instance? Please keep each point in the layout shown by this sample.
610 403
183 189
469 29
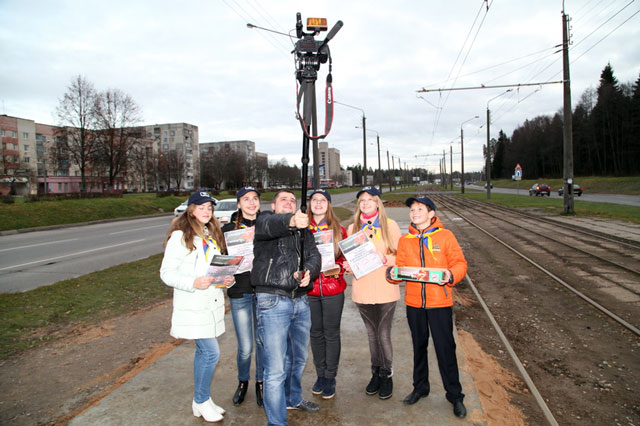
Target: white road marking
72 254
35 245
137 229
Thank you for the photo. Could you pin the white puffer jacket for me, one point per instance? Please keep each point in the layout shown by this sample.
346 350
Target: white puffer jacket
197 314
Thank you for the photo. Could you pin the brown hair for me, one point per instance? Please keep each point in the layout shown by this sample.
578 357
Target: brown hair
382 217
190 227
275 196
333 222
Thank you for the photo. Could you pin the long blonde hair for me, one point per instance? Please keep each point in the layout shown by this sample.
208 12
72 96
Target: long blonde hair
333 222
190 227
382 218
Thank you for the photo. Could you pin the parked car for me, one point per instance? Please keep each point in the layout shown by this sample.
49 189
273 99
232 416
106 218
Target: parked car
182 207
577 190
540 189
224 209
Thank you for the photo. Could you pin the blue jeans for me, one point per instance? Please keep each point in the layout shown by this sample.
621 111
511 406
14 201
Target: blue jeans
243 312
284 326
204 364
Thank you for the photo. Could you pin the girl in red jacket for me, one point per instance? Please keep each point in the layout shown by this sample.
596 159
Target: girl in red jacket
326 300
429 245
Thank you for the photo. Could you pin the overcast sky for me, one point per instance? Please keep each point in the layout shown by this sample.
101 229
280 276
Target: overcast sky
197 62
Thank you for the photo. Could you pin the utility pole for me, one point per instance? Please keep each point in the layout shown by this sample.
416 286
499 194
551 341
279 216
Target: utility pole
393 164
462 154
488 165
389 170
379 168
567 127
451 164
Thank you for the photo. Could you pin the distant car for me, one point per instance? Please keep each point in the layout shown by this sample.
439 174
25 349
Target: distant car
182 207
224 209
577 189
540 189
485 186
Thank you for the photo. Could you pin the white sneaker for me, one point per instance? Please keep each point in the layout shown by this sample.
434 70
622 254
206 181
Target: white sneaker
207 411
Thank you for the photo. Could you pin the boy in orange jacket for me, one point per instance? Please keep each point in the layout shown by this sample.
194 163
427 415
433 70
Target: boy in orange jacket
429 245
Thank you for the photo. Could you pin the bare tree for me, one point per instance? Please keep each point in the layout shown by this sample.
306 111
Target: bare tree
77 120
116 113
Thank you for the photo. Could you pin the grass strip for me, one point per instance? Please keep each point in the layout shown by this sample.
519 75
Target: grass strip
30 318
45 213
554 206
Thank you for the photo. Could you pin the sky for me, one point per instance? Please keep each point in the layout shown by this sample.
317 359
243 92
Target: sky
196 62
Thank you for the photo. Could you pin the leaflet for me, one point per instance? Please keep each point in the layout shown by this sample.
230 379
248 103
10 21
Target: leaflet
240 243
361 254
324 243
222 267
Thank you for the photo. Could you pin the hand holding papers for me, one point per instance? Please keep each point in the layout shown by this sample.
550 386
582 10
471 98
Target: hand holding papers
324 243
223 267
361 254
240 243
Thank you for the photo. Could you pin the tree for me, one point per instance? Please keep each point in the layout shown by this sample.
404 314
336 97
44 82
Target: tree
77 121
116 113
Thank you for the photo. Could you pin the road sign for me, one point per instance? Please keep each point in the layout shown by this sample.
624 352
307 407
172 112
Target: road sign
518 175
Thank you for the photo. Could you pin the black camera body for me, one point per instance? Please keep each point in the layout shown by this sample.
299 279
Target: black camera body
310 53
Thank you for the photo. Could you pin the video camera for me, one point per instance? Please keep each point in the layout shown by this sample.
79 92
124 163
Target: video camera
310 53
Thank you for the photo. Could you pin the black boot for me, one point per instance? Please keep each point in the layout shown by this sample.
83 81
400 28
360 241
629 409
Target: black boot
241 391
374 383
386 383
259 394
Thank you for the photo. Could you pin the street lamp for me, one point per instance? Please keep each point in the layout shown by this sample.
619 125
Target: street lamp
462 153
378 143
364 141
488 166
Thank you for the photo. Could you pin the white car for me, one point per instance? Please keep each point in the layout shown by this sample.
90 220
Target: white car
224 209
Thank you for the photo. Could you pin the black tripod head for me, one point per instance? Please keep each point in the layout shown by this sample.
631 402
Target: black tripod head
310 53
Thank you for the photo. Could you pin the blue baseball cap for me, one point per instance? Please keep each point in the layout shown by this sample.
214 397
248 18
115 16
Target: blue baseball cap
371 190
423 200
200 197
242 191
321 192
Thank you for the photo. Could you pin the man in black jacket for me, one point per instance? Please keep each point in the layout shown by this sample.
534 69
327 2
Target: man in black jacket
284 319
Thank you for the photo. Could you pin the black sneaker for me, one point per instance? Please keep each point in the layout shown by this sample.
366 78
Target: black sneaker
318 386
329 390
374 383
306 406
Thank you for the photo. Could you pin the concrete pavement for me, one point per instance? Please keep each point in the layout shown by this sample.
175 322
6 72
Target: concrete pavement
162 394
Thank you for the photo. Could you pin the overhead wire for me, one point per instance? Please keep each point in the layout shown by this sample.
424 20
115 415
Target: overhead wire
439 113
270 21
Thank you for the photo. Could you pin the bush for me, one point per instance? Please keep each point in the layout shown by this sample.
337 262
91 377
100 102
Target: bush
7 199
73 196
162 194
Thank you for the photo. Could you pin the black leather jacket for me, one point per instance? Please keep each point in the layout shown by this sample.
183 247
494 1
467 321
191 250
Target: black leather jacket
276 248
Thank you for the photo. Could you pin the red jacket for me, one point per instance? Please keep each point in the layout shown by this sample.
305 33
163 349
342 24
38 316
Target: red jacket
446 254
330 285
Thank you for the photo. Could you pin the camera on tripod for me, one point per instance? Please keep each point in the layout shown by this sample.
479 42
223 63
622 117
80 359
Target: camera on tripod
310 53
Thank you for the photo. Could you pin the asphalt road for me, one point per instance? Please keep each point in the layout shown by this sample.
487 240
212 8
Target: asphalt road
35 259
630 200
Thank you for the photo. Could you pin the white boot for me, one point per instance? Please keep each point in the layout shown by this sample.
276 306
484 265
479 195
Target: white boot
218 408
207 411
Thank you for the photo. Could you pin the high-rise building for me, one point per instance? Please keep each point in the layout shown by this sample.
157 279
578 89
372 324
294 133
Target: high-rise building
329 162
177 143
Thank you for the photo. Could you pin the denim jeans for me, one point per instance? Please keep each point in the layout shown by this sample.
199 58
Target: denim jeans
378 319
243 312
284 325
204 364
326 314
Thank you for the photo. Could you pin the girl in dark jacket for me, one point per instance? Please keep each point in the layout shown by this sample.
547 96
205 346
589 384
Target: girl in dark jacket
242 301
326 300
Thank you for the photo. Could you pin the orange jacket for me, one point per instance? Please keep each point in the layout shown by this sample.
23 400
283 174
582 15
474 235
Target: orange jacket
446 254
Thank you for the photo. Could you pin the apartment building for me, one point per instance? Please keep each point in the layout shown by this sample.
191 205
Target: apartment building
329 162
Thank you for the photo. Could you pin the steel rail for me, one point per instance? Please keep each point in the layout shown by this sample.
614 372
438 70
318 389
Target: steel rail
584 297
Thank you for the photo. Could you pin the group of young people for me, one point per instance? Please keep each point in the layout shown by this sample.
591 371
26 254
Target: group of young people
278 309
